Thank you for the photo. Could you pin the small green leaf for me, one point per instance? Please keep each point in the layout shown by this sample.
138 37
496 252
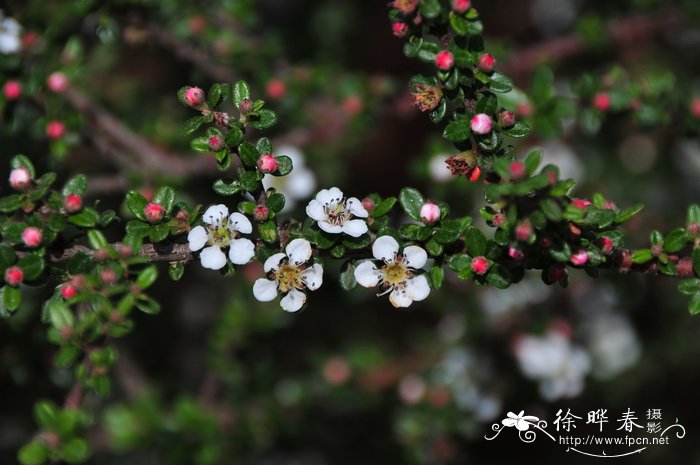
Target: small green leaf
460 262
176 270
498 277
693 215
165 197
96 239
500 83
696 261
76 185
11 298
86 218
192 124
33 453
136 204
264 145
248 153
233 137
437 276
694 305
383 207
347 277
59 314
241 91
676 240
249 181
284 165
411 200
222 187
475 241
11 203
32 265
268 231
265 119
518 130
641 256
275 202
457 130
147 277
76 450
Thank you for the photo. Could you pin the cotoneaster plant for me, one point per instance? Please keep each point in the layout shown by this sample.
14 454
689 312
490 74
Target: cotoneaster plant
52 238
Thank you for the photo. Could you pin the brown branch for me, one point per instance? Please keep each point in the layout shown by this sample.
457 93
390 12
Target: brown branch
153 252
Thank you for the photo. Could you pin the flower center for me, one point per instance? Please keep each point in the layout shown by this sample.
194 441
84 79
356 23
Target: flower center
395 273
337 215
288 277
219 232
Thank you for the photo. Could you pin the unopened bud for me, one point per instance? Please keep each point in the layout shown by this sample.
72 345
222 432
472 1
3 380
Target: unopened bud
72 203
55 129
461 6
506 118
400 29
32 236
108 277
194 97
429 212
20 179
517 170
276 89
444 60
601 101
68 291
480 265
246 106
261 213
487 62
154 212
267 164
580 257
368 204
481 124
14 275
57 82
216 143
12 90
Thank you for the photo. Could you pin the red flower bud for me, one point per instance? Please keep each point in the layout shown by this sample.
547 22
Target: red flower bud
581 203
400 29
216 143
693 228
695 107
336 371
68 291
556 273
499 220
352 105
506 118
108 277
276 89
72 203
194 97
524 109
461 6
517 170
481 124
487 62
685 267
261 213
246 106
57 82
14 275
480 265
429 212
606 245
55 129
476 172
444 60
601 101
368 204
523 231
125 251
154 212
32 236
20 179
101 255
267 164
12 90
580 257
515 254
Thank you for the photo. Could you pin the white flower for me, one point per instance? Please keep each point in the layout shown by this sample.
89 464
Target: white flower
334 213
297 185
222 230
10 31
396 273
289 274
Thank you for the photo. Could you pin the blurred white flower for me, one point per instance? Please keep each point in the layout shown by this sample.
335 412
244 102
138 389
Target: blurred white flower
297 185
613 344
438 169
290 273
335 214
559 366
10 31
557 153
501 303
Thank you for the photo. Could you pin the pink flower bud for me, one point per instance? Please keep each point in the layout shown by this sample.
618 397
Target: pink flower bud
14 275
480 265
685 267
695 107
461 6
481 124
154 212
196 25
606 245
400 29
108 277
507 119
276 89
515 254
405 6
68 291
444 60
429 212
267 164
57 82
194 97
20 179
487 62
499 220
556 273
352 105
601 101
580 257
260 213
12 90
368 204
32 236
125 251
336 371
101 255
523 231
524 109
656 250
581 203
246 106
693 228
55 129
216 143
77 281
72 203
517 170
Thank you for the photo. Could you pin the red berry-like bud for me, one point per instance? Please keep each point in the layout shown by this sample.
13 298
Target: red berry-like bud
20 179
57 82
12 90
693 228
499 220
261 213
444 60
400 29
601 101
29 40
101 255
77 281
515 254
368 204
685 267
579 258
556 273
276 89
216 143
154 212
481 124
487 62
606 245
125 251
517 170
695 107
72 203
476 172
194 97
352 105
14 275
196 24
267 164
480 265
524 109
55 129
461 6
32 236
429 212
507 119
108 277
523 231
581 203
336 370
68 291
246 106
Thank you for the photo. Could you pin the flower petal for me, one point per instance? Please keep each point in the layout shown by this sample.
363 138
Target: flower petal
367 274
212 257
330 197
215 213
241 251
298 251
418 288
330 228
354 205
313 277
197 238
355 228
315 210
509 422
239 222
273 262
293 301
265 290
385 248
415 256
399 298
